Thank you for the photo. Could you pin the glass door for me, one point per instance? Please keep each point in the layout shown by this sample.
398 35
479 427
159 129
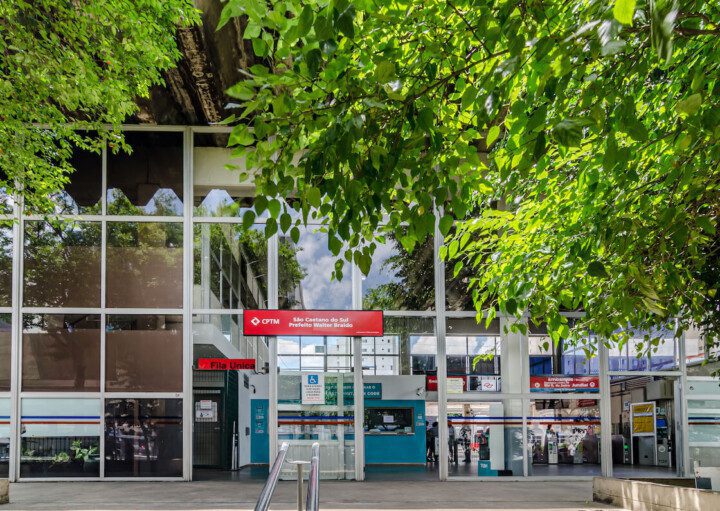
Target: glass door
485 439
317 406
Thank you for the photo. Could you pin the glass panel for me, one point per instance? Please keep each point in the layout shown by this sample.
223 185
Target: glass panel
288 363
564 437
145 264
218 190
317 407
5 347
423 349
6 200
83 191
61 352
62 264
387 365
339 345
704 430
6 255
60 437
305 274
646 351
485 438
143 438
288 345
144 353
399 280
230 267
149 180
4 436
694 346
456 345
213 331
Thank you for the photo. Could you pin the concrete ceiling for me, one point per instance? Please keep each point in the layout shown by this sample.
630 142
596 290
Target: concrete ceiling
194 90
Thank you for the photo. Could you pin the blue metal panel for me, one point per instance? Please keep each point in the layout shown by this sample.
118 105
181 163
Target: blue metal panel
259 440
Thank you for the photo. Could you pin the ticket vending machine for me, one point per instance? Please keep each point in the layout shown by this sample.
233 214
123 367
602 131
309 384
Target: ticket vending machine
663 445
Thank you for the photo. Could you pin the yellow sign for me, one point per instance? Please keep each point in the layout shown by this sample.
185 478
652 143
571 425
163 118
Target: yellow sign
643 418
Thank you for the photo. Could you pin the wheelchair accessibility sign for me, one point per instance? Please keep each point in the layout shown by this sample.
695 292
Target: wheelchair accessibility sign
313 389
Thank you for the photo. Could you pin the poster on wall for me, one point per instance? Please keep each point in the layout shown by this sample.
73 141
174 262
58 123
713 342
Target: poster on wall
313 389
564 383
643 418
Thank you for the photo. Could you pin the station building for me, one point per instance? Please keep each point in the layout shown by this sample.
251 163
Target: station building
145 267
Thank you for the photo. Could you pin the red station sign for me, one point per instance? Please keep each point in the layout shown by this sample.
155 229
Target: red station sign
225 364
555 383
313 322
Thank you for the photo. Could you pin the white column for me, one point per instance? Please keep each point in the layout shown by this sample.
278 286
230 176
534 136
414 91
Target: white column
358 384
682 423
606 465
15 381
188 240
440 327
514 370
272 349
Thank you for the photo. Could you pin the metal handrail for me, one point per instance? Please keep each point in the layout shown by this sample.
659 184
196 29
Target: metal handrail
312 502
263 501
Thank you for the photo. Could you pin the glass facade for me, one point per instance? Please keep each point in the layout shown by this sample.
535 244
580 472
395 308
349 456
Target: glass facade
145 266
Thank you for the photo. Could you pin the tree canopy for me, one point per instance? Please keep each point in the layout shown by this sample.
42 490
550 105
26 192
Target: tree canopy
570 147
68 68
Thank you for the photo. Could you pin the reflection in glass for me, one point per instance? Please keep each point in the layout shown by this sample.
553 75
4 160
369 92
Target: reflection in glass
230 267
4 436
399 280
143 353
485 439
60 437
149 180
61 352
6 256
5 346
62 264
214 331
144 264
217 185
143 437
423 350
564 434
305 274
6 198
323 354
82 193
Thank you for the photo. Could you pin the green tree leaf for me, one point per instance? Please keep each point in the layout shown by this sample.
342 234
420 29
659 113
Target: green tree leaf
597 269
623 10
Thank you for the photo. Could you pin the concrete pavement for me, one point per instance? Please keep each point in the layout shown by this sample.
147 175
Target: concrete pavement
384 495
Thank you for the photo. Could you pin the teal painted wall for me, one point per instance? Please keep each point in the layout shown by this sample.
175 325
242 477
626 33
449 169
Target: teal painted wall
401 448
378 448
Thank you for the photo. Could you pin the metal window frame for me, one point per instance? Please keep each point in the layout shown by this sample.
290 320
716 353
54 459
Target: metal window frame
188 311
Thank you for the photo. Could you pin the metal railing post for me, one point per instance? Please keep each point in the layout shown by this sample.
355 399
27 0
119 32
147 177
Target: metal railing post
263 501
312 503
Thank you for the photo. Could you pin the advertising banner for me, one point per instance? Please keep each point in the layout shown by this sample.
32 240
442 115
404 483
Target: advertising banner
453 382
309 322
313 389
225 364
564 384
643 418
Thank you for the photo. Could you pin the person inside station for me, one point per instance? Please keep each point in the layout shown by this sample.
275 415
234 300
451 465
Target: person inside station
452 443
431 436
465 440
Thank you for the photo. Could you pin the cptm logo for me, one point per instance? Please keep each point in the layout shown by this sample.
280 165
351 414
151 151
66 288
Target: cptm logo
265 321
